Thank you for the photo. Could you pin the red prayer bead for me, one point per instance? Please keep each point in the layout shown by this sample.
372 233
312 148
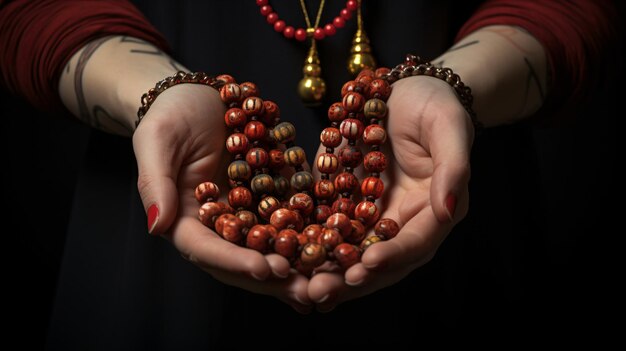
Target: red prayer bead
339 22
259 239
380 89
289 32
372 186
336 112
271 113
313 254
357 234
237 143
272 18
351 128
312 232
374 134
341 222
321 213
230 227
330 137
327 163
266 10
344 205
365 72
319 34
329 30
345 14
346 182
353 86
300 34
276 159
286 243
387 228
365 78
350 156
261 2
284 218
248 89
366 212
280 25
209 211
240 197
375 161
257 158
324 189
235 118
248 218
381 71
330 238
207 191
347 255
301 203
352 5
225 78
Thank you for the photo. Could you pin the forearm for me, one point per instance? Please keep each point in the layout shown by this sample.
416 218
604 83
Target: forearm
103 82
506 69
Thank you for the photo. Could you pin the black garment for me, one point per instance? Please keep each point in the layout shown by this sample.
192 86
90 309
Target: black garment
511 263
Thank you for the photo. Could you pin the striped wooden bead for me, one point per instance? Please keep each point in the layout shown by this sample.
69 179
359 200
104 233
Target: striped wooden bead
313 254
262 184
330 238
347 255
284 218
330 137
271 113
327 163
375 161
252 106
209 211
257 158
351 128
375 108
302 181
230 227
276 159
237 143
284 132
286 243
312 232
259 239
352 86
369 241
321 213
372 186
353 102
207 191
239 170
341 222
281 185
357 234
387 228
381 72
374 135
248 218
294 156
344 205
301 203
235 118
225 78
230 93
267 206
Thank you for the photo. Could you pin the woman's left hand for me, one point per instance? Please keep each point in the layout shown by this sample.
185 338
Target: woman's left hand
426 189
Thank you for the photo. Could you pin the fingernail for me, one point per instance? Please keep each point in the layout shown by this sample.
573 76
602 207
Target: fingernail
375 265
257 277
300 301
450 206
153 217
324 298
356 283
282 276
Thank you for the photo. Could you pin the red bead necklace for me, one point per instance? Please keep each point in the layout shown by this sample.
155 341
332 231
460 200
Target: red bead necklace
304 229
315 31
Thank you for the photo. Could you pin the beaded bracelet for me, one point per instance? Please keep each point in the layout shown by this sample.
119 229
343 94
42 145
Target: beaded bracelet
180 77
415 66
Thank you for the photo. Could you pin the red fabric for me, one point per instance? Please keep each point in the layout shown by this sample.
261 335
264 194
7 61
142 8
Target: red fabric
577 36
37 38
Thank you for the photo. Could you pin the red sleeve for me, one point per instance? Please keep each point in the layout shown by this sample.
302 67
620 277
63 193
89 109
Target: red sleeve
39 37
577 36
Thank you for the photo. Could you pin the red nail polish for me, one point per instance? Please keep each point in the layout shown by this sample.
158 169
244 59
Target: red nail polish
153 217
451 206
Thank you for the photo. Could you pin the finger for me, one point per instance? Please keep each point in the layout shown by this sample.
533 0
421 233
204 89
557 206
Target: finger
325 288
450 141
204 247
155 150
279 265
416 243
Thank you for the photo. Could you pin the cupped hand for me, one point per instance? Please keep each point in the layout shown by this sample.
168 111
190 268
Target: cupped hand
426 189
178 145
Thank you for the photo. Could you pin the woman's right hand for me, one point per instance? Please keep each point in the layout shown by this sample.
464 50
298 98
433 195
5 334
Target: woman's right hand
178 145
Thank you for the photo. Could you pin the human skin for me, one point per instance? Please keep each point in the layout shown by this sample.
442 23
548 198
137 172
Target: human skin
179 144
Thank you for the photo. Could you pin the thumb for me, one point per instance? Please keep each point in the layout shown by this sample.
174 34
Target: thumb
450 144
157 171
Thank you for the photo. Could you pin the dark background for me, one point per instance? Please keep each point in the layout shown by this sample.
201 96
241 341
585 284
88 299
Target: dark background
552 190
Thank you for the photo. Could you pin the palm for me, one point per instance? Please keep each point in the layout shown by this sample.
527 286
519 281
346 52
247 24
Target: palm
418 110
